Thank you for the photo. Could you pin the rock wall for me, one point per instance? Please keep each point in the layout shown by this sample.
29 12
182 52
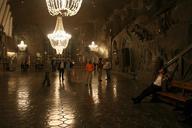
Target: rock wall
151 39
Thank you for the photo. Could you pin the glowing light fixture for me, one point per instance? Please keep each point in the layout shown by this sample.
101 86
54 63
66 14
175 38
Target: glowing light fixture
93 46
22 46
11 54
63 7
59 38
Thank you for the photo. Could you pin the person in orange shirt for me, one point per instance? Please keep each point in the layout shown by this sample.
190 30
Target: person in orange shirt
89 70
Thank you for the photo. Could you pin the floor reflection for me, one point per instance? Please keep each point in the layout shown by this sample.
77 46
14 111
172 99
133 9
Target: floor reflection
12 86
61 116
114 84
57 85
93 93
25 103
23 100
105 89
60 113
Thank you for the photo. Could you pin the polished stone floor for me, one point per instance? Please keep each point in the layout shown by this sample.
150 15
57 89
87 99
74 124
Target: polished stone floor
25 103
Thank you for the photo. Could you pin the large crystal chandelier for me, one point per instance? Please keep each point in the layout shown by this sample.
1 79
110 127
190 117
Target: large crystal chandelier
59 38
22 46
63 7
93 46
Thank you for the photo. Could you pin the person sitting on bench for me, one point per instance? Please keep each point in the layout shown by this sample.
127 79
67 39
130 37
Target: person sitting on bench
155 86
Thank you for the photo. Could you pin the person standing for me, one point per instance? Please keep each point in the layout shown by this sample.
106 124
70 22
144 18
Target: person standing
61 70
89 70
95 66
100 69
107 68
47 71
68 69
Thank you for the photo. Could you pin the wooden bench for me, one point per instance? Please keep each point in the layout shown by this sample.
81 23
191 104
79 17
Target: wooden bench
176 97
182 85
173 96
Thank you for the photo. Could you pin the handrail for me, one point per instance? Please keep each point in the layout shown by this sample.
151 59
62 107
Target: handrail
179 55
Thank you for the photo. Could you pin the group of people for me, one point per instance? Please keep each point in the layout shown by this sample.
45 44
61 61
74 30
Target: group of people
62 67
161 78
100 66
24 66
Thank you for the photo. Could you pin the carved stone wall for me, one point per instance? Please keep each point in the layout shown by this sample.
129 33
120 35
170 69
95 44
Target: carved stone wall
153 37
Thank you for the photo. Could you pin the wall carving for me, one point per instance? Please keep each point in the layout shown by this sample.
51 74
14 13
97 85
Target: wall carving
142 33
165 22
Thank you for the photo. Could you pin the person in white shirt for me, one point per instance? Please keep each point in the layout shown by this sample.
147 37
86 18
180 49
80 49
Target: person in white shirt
107 68
156 86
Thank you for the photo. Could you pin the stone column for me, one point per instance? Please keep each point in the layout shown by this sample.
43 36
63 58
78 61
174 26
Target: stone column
1 3
7 24
2 10
5 16
10 31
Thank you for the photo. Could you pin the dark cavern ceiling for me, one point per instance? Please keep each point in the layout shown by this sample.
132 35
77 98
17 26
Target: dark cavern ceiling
35 12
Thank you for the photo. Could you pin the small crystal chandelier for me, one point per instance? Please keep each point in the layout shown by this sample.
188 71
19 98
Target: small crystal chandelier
63 7
59 38
22 46
93 46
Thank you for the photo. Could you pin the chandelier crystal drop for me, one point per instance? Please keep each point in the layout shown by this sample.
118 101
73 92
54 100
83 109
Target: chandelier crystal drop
59 38
63 7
